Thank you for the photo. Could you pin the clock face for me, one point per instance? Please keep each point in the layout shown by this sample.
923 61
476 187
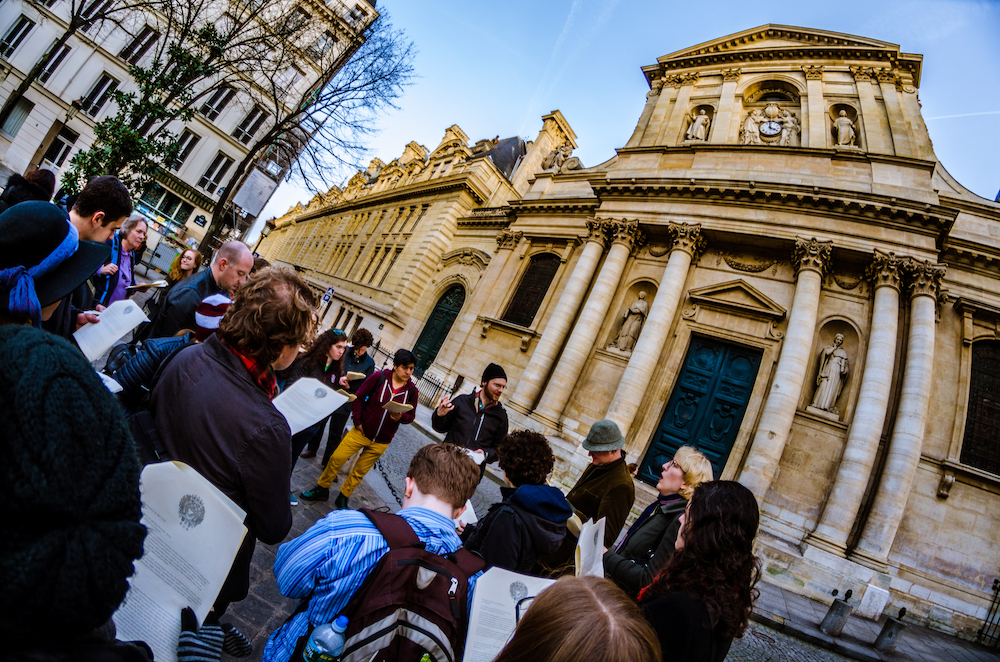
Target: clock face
770 128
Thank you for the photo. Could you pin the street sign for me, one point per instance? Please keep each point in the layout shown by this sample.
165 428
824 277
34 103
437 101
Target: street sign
328 295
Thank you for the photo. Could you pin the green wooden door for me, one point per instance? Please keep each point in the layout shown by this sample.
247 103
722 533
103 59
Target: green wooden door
437 327
707 406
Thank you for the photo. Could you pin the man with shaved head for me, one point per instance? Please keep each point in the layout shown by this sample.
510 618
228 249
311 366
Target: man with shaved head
230 267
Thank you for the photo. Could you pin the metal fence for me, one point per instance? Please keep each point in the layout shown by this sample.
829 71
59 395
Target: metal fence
989 633
430 388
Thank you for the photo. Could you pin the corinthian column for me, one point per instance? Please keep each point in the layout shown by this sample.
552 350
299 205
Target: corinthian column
626 235
869 417
687 243
923 279
811 258
558 325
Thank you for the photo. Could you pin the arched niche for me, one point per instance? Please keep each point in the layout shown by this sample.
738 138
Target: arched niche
828 391
851 113
771 90
696 110
630 302
771 113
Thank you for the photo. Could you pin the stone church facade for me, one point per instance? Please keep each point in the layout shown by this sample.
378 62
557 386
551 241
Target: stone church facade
776 269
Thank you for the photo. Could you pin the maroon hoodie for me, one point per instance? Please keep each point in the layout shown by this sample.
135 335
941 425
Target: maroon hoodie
367 412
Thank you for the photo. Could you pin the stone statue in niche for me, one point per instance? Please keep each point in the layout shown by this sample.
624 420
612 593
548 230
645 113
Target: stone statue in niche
751 130
790 130
632 322
699 126
833 367
845 129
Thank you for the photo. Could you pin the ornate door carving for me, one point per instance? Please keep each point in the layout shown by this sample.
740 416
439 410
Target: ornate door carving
437 327
706 407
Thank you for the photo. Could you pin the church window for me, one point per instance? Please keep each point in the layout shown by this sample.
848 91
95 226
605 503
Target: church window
531 290
981 447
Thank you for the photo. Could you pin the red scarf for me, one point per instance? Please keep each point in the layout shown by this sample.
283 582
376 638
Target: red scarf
263 375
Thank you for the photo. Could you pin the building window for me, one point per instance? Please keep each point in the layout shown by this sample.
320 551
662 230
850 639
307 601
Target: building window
99 95
211 181
53 64
218 102
531 290
60 148
981 445
142 43
287 79
321 46
187 141
17 116
94 12
250 124
15 35
297 20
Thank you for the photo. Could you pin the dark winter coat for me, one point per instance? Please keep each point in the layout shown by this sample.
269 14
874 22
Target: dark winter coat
647 547
177 312
20 190
683 627
529 522
105 284
367 412
212 415
602 491
469 428
136 375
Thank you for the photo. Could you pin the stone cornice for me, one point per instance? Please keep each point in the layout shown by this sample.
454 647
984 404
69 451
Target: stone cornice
573 206
907 215
971 256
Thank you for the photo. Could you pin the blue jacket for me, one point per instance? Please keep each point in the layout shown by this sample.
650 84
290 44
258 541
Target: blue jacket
104 285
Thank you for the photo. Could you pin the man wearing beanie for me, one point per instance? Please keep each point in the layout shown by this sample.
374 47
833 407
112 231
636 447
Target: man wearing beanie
605 489
476 420
69 505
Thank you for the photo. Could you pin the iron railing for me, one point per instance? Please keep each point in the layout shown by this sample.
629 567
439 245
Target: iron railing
989 633
430 388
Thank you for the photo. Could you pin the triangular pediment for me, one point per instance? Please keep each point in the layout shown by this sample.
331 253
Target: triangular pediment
737 296
776 37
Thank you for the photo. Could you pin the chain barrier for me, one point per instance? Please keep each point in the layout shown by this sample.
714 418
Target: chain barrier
388 482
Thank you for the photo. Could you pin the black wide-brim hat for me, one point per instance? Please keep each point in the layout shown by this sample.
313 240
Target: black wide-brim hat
29 233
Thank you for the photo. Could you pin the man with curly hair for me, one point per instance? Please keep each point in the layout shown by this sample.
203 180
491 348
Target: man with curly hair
212 407
531 519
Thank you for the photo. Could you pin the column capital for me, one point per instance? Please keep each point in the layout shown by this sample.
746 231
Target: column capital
689 79
626 232
862 73
597 231
687 237
884 270
811 255
509 240
923 277
731 75
813 73
673 80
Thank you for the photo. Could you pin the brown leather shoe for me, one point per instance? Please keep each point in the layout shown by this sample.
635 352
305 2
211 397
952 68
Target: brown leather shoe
307 453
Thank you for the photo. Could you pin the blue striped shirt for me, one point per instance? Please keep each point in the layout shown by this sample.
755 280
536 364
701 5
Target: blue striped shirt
331 560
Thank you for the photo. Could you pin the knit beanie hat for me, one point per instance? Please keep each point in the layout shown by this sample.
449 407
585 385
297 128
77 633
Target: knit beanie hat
69 492
493 371
604 436
208 314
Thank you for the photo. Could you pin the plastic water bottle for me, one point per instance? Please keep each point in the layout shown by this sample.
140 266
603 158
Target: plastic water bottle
326 642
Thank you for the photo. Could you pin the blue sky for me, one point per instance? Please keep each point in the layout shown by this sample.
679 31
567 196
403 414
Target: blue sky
494 68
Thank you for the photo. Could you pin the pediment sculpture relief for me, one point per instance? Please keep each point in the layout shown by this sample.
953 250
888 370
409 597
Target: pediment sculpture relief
771 126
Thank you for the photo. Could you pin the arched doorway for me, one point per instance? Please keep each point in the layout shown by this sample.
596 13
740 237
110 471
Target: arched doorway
438 325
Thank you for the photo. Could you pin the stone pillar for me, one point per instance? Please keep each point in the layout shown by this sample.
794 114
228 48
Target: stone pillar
724 117
811 258
869 418
562 317
816 107
923 280
888 79
687 244
626 235
672 132
652 98
658 120
874 136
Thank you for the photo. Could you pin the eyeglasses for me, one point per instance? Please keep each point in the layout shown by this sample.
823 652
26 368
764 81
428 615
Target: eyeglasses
673 463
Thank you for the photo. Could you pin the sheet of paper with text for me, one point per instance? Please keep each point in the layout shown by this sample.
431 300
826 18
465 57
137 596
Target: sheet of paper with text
116 320
494 611
307 402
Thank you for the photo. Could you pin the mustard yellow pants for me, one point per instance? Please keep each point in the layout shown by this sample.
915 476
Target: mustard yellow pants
353 442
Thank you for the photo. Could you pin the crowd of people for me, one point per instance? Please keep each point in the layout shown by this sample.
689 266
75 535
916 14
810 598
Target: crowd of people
222 343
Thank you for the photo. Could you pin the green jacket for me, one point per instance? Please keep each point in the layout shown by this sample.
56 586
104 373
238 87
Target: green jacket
647 549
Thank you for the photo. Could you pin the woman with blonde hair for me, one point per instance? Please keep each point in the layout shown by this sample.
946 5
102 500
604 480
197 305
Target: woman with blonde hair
582 618
649 543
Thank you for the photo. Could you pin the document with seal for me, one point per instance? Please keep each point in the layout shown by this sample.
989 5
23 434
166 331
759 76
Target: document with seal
193 534
500 598
307 402
115 321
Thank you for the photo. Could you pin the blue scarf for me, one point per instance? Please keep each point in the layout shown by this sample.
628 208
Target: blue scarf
20 280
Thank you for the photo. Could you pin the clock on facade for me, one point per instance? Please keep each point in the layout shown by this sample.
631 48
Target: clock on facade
770 128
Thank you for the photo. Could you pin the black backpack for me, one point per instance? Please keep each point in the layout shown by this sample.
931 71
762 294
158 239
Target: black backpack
413 601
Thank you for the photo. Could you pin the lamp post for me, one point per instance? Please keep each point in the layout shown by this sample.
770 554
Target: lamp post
73 109
264 231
